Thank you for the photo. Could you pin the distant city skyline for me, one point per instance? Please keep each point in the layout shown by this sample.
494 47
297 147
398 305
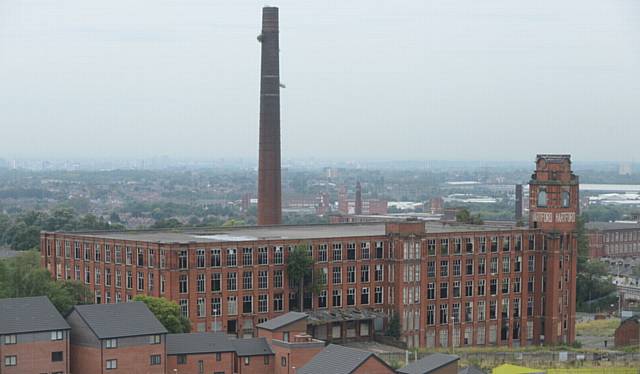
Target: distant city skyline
428 80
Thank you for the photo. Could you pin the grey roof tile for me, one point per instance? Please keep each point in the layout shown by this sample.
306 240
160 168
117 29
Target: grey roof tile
29 314
283 320
470 370
428 364
336 359
120 320
252 347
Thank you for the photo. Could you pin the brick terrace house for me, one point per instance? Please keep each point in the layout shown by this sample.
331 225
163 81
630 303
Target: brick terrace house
628 333
287 335
450 284
215 352
116 338
436 363
34 338
337 359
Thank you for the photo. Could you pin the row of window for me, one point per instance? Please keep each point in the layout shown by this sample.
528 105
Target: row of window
113 343
112 364
12 360
13 339
182 360
465 312
459 246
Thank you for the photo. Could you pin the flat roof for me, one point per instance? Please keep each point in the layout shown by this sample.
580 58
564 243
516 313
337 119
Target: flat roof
279 232
612 225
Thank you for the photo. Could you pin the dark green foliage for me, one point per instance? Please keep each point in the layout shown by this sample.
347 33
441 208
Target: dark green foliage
300 269
393 328
167 312
593 290
464 216
22 276
23 232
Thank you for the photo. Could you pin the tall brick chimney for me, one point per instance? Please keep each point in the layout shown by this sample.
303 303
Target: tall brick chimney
358 209
269 189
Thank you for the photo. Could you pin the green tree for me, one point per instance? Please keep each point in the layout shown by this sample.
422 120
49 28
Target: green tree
464 216
299 269
393 329
167 312
22 276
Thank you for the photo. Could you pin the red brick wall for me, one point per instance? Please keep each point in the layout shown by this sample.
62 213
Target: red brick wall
373 366
85 359
35 357
209 360
256 365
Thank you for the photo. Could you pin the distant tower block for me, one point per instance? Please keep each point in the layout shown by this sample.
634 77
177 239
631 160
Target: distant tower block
358 209
269 182
518 202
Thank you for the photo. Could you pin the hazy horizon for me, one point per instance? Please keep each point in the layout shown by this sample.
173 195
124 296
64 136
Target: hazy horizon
424 80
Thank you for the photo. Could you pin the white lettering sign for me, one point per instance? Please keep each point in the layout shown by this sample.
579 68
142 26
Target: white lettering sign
543 217
565 217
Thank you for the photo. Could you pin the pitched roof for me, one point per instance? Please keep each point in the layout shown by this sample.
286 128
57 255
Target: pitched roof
29 314
252 347
282 321
337 359
428 364
198 342
120 320
470 370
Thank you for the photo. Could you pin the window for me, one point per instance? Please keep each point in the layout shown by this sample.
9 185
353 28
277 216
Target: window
200 308
456 267
322 299
337 275
184 308
482 265
200 258
182 359
278 256
364 273
364 296
506 265
531 265
468 245
431 293
444 247
468 288
457 246
337 298
12 339
283 361
364 250
246 360
155 339
494 265
247 280
351 251
216 285
565 199
431 311
337 252
378 295
140 281
182 260
263 303
506 244
247 304
505 286
216 306
278 305
247 256
232 284
111 343
263 258
542 198
263 279
494 244
444 268
444 290
431 269
231 257
322 253
379 274
56 356
215 258
56 335
493 287
151 258
266 360
10 360
155 359
112 364
351 274
277 278
456 289
351 296
183 283
444 313
482 313
140 257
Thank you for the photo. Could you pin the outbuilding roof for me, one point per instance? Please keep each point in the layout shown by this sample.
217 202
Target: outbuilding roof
428 364
29 314
337 359
282 321
252 347
198 342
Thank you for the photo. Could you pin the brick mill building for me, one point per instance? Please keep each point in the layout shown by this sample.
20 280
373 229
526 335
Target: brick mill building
450 284
613 239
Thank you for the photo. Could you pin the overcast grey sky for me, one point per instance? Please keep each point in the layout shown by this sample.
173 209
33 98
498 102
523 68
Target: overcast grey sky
446 79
